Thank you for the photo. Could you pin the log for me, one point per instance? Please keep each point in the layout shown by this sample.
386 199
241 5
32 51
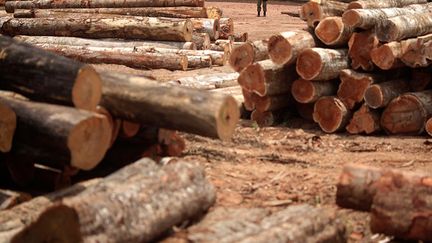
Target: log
41 75
404 26
109 43
115 124
331 114
368 18
428 127
387 56
226 28
201 41
333 32
209 26
9 198
270 118
247 97
240 37
222 45
214 12
313 12
197 62
416 52
305 91
321 64
360 46
132 27
77 137
209 81
284 48
248 53
146 102
272 103
364 4
380 95
263 225
129 129
364 120
408 113
8 122
266 78
421 79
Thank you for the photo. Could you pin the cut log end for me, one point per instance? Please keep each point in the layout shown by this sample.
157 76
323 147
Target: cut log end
330 114
303 91
309 64
351 18
188 30
364 120
383 57
253 79
87 90
428 127
129 129
280 50
355 5
227 118
329 30
374 97
7 128
241 57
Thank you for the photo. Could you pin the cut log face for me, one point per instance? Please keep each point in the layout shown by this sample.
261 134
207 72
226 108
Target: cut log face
286 46
248 102
248 53
365 120
331 114
404 26
321 64
387 56
305 91
129 129
380 95
213 12
364 4
8 123
360 46
416 52
333 32
428 127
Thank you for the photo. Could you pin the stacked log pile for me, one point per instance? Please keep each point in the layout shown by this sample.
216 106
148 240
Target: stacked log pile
361 67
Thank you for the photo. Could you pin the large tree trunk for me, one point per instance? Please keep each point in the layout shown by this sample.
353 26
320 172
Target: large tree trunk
380 95
9 199
8 122
45 76
77 136
263 225
404 26
209 26
267 78
137 99
209 81
365 120
416 52
333 32
284 48
127 27
408 113
248 53
201 40
313 12
305 91
387 56
321 64
383 3
360 46
331 114
226 28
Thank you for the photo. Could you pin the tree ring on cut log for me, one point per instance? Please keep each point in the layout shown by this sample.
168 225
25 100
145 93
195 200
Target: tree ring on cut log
242 56
428 127
280 49
351 18
253 79
7 127
329 113
87 90
374 96
88 142
227 118
309 64
303 91
383 57
328 30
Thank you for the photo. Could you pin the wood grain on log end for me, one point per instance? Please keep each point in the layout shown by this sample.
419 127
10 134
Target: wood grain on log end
252 78
227 118
428 127
242 56
333 32
374 97
129 129
331 114
309 64
387 56
248 102
360 46
8 122
353 87
305 91
87 90
355 5
280 49
351 18
364 120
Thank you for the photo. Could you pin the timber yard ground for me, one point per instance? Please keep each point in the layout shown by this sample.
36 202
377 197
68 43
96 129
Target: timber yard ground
295 162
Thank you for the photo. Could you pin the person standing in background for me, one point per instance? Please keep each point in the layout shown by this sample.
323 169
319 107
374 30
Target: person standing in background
264 6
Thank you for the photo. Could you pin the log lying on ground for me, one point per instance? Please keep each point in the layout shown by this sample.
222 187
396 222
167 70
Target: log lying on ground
201 40
333 32
364 120
209 81
404 26
267 78
127 27
248 53
209 26
42 75
305 91
331 114
284 48
364 4
111 43
360 46
226 28
387 56
272 103
313 12
261 225
67 134
408 113
9 199
369 18
270 118
46 4
140 100
321 64
416 52
380 95
8 122
214 12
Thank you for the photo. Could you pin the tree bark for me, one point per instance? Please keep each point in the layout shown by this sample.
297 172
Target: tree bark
331 114
416 52
360 46
313 12
127 27
248 53
284 48
321 64
146 102
201 40
209 81
266 78
408 113
63 133
262 225
364 4
209 26
365 120
226 28
9 199
387 56
41 75
270 118
272 103
305 91
236 93
8 122
404 26
380 95
333 32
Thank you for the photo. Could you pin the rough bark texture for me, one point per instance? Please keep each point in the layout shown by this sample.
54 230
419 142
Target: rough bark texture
408 113
127 27
360 46
286 46
267 78
201 40
45 76
404 26
64 134
301 223
417 52
380 95
226 28
9 199
333 32
321 64
331 114
209 26
365 120
305 91
387 56
137 99
248 53
313 12
8 122
270 118
209 81
383 3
